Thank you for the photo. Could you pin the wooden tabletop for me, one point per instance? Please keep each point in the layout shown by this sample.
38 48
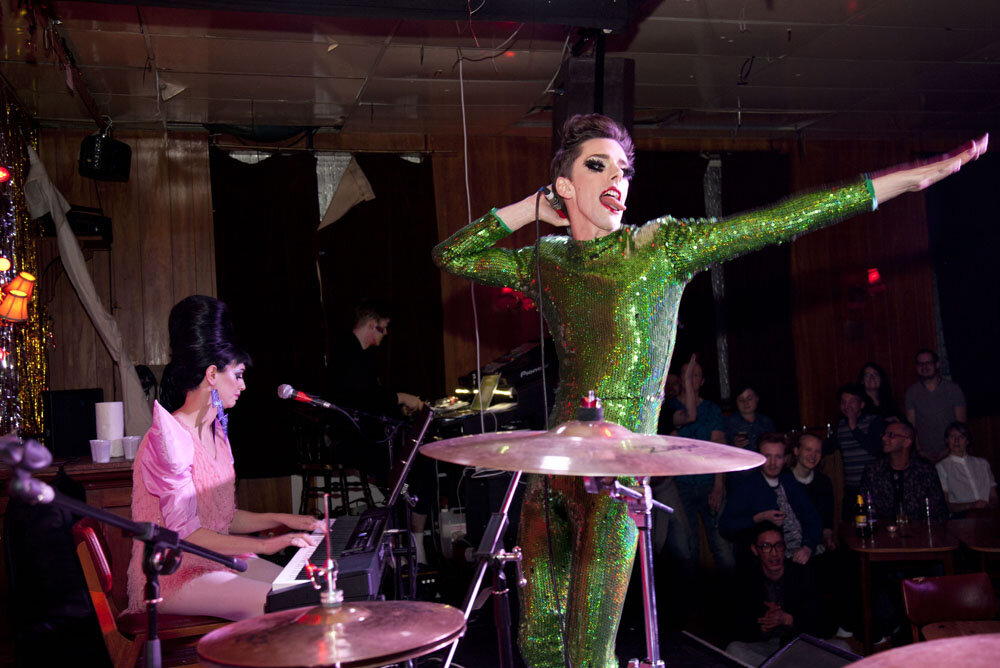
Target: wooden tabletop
978 533
79 468
978 651
911 538
954 629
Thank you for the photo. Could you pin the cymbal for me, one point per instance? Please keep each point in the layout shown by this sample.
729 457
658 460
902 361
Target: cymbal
594 449
975 651
355 635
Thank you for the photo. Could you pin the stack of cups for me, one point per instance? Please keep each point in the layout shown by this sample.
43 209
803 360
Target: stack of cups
111 425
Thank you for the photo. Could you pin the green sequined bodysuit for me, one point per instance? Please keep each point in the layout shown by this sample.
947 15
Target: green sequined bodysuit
611 307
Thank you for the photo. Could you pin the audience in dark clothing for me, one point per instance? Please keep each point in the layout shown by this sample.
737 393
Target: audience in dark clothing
858 436
773 602
798 578
775 496
878 391
808 452
901 484
746 425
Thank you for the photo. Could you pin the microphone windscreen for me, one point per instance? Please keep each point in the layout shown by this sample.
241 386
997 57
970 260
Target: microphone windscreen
36 456
286 391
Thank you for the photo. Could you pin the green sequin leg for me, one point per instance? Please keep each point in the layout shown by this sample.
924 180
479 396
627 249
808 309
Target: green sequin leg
593 544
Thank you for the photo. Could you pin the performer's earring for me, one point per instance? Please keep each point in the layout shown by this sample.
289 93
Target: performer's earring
223 418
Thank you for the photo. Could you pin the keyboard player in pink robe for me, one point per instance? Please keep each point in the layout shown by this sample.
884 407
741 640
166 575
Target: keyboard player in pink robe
183 476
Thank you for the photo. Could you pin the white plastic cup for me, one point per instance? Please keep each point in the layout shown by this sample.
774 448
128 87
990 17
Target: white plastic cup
117 449
131 445
100 450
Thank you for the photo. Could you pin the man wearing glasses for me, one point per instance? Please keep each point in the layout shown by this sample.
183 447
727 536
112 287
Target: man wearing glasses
353 383
902 485
932 403
775 601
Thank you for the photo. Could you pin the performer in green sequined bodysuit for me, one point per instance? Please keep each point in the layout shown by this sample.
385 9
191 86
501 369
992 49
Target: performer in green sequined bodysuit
610 297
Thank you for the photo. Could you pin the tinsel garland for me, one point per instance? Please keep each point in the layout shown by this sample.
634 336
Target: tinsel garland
24 367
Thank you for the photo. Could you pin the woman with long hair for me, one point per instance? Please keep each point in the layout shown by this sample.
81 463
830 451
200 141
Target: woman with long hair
878 391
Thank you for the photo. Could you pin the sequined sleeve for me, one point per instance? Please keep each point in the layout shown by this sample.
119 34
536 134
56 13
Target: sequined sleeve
470 253
696 244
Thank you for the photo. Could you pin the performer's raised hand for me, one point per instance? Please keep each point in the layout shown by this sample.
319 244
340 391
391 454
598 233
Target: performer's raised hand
912 177
519 214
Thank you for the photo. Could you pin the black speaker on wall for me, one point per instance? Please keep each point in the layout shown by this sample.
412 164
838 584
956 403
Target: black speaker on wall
70 421
576 82
105 159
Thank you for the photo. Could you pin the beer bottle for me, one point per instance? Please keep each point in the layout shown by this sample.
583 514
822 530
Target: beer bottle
861 517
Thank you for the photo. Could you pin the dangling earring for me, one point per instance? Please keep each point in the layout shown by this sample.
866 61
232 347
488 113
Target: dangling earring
223 418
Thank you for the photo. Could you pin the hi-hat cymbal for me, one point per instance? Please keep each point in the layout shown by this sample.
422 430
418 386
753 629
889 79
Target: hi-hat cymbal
592 449
355 635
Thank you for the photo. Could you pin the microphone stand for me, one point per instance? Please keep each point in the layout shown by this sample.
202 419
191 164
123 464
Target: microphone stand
163 547
491 553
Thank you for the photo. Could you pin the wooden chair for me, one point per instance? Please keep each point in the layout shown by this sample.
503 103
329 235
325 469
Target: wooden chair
125 635
948 598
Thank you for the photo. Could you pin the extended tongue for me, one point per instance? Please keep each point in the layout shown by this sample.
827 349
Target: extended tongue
610 200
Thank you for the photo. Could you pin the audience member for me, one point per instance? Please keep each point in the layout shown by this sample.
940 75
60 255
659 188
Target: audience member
671 387
746 425
902 484
701 495
878 391
857 436
932 403
775 601
808 452
836 571
967 481
774 496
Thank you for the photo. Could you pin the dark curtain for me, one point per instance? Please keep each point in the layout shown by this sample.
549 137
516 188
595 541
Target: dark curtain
964 236
671 183
265 224
757 306
382 250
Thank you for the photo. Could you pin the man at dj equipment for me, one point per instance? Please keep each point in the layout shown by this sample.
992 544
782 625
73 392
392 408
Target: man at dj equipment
610 297
353 382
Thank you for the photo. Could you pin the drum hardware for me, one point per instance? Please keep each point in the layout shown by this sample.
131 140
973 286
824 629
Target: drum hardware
599 451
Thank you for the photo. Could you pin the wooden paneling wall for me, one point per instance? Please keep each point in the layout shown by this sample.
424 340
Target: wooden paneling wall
838 322
162 250
501 170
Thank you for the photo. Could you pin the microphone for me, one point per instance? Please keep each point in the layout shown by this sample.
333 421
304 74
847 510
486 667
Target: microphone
30 490
555 201
26 458
286 391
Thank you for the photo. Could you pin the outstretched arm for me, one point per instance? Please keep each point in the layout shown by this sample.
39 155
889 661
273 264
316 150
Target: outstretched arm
694 245
894 181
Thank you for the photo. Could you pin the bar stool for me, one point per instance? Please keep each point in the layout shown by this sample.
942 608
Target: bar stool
315 461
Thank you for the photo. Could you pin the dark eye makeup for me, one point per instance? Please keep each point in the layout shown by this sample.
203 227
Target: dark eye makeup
597 165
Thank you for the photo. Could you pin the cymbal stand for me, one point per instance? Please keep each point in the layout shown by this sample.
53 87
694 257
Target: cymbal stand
640 503
491 554
324 579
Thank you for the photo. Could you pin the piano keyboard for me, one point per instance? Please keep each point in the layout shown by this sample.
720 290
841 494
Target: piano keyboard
294 572
360 569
